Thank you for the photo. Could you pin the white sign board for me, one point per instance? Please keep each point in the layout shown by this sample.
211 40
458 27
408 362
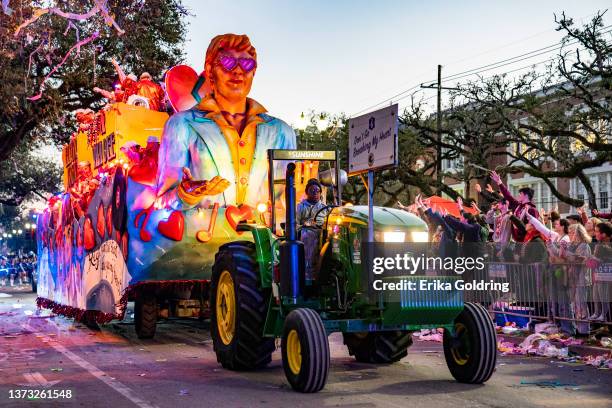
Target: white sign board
373 140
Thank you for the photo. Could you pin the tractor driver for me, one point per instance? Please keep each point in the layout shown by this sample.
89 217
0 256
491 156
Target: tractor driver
311 213
308 208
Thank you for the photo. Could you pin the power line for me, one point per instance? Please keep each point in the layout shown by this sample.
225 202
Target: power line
508 61
512 60
386 100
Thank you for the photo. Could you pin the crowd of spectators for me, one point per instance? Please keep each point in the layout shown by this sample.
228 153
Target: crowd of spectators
17 269
567 251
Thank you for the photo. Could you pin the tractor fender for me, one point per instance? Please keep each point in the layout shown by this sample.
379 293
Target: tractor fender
264 248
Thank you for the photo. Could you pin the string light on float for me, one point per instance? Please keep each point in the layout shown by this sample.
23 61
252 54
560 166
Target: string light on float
262 209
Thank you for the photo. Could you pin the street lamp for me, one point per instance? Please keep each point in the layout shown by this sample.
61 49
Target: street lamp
14 232
20 231
5 235
322 122
301 123
27 226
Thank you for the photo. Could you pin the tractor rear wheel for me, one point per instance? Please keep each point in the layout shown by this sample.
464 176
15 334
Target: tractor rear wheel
378 347
471 351
305 351
238 309
145 315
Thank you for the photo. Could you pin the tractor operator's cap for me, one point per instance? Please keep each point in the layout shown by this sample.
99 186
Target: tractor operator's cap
313 182
146 75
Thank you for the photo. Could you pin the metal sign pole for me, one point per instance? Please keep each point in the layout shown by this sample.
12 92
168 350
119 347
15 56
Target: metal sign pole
370 206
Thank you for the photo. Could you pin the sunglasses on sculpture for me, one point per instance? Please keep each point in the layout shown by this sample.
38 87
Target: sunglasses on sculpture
229 63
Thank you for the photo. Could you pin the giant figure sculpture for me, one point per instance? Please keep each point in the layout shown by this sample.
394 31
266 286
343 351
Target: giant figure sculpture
218 148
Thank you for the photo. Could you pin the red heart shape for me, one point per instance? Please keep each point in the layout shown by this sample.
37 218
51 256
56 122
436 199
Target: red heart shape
89 238
80 241
109 219
180 81
100 221
235 214
173 227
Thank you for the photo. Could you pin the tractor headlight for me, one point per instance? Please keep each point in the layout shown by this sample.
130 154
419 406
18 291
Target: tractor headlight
419 236
394 236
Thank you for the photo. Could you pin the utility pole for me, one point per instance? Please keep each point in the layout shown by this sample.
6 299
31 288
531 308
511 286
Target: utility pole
439 88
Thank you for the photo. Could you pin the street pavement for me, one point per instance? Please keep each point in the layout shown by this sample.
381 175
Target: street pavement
113 368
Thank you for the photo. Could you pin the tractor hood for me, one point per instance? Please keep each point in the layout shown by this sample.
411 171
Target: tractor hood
383 217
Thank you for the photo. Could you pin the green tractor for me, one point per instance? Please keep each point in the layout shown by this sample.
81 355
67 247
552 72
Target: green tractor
259 292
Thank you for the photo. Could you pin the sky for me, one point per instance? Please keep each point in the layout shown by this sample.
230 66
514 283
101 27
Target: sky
345 56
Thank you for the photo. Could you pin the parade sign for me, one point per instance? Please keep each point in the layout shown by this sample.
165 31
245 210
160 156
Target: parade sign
280 154
373 140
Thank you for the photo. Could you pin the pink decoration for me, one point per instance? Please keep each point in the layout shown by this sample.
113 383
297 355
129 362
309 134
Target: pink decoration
77 45
100 7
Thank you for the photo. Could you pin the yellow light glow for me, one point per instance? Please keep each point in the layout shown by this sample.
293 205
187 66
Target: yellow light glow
262 207
394 236
419 236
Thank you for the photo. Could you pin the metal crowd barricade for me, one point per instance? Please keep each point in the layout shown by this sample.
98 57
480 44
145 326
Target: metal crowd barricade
572 295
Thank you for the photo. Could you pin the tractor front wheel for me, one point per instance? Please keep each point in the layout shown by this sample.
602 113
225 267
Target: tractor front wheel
378 347
305 351
471 351
238 309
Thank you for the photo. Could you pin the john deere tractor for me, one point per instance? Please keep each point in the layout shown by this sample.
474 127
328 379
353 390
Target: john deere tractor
260 292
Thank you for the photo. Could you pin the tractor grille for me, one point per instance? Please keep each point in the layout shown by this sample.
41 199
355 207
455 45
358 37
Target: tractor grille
435 296
418 308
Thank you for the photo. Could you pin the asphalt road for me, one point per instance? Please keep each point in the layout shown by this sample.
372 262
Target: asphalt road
112 368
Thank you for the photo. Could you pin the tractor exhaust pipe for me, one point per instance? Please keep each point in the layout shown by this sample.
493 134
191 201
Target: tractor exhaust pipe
290 204
292 274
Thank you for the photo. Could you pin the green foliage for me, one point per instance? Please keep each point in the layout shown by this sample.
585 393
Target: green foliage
153 40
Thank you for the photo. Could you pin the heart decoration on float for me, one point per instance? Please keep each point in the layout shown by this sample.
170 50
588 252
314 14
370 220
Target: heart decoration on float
234 215
173 227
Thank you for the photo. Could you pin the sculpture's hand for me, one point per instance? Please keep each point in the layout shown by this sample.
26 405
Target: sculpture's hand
191 191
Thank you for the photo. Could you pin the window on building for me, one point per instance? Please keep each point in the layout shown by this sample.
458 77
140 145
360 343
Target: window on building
603 199
452 165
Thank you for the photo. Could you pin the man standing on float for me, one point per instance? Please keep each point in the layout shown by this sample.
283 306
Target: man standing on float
219 148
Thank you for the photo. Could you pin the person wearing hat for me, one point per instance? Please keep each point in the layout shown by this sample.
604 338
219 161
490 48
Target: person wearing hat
307 208
311 214
151 90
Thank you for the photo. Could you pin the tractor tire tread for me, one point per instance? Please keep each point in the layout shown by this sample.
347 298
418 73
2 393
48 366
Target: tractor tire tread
250 350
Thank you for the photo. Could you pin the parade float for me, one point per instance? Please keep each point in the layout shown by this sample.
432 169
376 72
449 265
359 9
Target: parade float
130 224
194 214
